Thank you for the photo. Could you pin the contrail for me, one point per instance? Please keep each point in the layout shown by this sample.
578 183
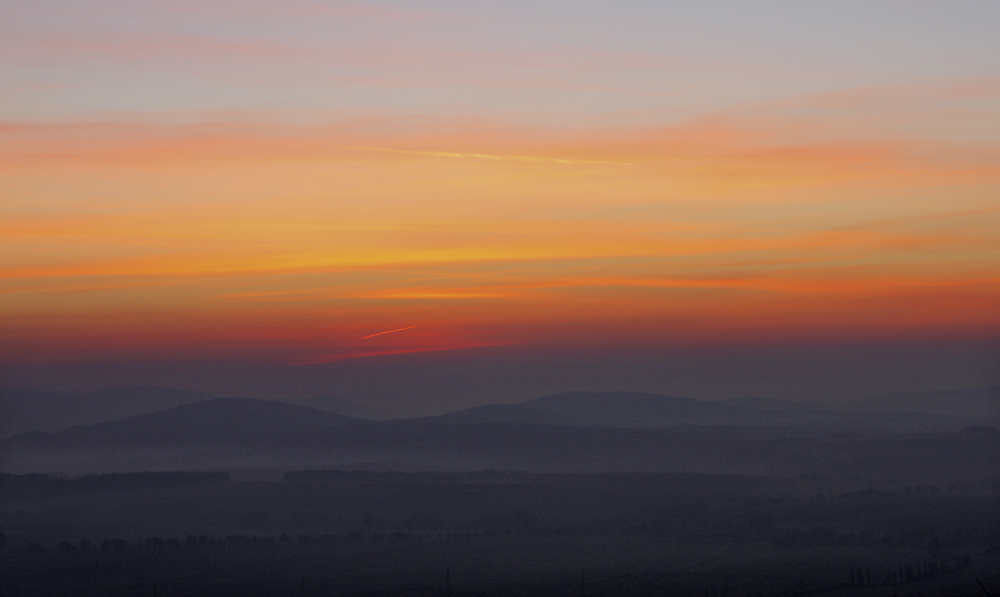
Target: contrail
487 156
389 332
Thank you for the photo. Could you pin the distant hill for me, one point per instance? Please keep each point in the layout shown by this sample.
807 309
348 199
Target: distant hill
342 406
980 403
642 410
32 410
214 421
234 434
592 431
601 409
771 404
632 409
503 413
214 434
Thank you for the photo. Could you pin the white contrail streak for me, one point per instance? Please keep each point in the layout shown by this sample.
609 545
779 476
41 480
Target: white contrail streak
487 156
389 332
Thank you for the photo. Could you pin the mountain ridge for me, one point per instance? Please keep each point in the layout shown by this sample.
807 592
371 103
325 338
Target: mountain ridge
216 420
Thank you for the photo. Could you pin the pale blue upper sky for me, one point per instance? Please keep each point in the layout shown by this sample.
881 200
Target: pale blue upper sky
309 60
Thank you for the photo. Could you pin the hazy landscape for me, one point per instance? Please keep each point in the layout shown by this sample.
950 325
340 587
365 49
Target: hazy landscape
500 298
581 492
937 436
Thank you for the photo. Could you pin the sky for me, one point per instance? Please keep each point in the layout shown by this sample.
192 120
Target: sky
303 183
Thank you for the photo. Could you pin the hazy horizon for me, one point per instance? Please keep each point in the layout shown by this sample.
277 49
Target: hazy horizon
548 297
433 383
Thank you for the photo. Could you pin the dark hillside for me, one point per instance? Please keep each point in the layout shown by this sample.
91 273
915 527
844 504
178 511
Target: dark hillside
981 403
631 409
215 421
503 413
31 410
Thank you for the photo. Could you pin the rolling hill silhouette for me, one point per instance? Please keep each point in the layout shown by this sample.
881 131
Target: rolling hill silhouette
502 413
771 404
642 410
603 409
213 421
969 402
632 409
30 410
243 434
342 406
33 410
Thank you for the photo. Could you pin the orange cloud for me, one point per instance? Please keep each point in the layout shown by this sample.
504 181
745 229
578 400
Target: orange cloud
246 234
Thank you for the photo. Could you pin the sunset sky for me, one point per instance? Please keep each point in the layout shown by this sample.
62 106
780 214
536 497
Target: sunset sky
312 181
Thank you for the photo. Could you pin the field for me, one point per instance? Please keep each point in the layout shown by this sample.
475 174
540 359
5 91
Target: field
362 533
